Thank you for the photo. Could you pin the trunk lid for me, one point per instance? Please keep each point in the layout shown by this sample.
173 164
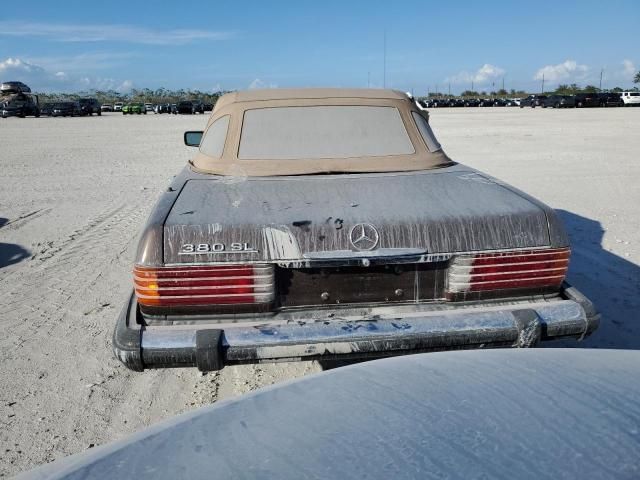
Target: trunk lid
297 219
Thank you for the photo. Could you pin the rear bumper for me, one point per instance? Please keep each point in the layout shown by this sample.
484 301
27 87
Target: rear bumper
343 333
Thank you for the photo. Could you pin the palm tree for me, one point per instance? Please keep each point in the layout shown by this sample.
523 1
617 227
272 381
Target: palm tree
636 79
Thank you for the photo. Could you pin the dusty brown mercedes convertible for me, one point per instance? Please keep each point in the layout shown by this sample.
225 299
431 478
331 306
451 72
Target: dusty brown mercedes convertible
329 224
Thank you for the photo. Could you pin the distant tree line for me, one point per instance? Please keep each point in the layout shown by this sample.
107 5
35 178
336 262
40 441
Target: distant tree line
163 95
563 89
158 96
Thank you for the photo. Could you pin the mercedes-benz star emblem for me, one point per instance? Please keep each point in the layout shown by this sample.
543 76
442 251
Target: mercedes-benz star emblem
364 236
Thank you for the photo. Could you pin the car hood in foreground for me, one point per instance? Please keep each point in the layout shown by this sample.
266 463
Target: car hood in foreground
452 209
526 414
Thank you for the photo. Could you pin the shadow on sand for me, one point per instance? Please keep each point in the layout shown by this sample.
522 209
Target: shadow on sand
611 282
10 253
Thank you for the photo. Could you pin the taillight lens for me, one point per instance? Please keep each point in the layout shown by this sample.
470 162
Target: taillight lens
203 285
508 270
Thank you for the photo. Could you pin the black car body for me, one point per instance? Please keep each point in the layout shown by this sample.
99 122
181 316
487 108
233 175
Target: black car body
19 105
7 88
433 102
89 106
471 102
46 109
66 109
610 99
190 107
163 108
559 101
329 223
587 100
532 101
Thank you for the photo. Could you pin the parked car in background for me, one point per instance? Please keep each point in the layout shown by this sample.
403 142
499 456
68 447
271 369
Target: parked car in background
513 102
532 101
428 102
447 258
134 108
117 107
66 109
499 102
19 104
630 99
46 109
610 99
471 102
174 108
105 107
89 106
190 107
148 107
559 101
587 100
14 87
208 107
163 108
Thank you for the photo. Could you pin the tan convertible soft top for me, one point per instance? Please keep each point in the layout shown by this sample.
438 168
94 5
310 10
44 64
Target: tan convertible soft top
237 103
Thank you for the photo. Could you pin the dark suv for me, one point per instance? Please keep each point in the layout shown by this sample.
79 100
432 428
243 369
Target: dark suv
66 109
190 106
533 101
610 99
19 105
587 100
89 106
559 101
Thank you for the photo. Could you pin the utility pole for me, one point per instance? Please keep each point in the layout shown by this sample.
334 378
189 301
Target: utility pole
472 85
502 83
436 89
601 72
449 88
543 83
384 61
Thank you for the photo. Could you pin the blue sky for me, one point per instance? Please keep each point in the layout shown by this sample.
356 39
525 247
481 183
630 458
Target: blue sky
74 45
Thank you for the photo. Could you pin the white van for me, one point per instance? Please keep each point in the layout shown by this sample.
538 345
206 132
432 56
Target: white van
630 98
117 107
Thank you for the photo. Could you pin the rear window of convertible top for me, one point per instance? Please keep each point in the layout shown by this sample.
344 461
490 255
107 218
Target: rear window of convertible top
339 131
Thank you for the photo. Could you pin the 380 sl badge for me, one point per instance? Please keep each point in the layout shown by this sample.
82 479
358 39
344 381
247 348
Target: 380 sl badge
213 248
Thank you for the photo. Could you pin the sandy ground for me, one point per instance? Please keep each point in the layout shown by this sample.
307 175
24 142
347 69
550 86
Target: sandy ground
75 193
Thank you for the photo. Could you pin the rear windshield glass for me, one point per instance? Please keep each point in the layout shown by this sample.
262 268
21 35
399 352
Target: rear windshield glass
323 132
635 94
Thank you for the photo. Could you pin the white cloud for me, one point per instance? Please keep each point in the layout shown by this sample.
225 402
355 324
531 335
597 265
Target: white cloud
108 33
628 69
484 74
568 70
44 80
85 61
257 83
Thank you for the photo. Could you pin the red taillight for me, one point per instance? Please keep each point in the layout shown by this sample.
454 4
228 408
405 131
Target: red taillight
203 285
508 270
